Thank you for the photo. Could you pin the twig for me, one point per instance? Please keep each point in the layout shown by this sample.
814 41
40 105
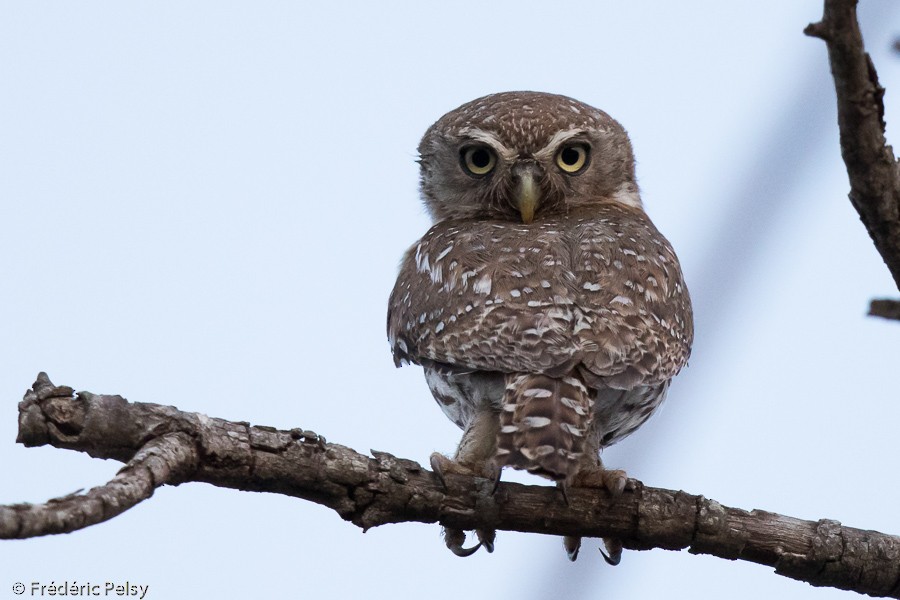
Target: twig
873 170
885 308
176 447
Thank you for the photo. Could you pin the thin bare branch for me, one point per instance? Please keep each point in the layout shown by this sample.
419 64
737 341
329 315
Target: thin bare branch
381 489
885 308
157 463
872 168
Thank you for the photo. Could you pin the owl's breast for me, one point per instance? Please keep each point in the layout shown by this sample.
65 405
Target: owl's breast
543 298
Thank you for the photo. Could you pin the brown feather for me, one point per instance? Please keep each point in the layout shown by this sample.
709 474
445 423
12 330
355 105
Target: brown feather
543 425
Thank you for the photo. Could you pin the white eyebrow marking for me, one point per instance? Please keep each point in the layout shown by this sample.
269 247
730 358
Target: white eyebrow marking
486 137
556 141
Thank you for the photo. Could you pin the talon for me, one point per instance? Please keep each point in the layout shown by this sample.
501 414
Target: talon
455 538
437 461
614 547
464 552
614 481
572 544
496 479
562 487
486 538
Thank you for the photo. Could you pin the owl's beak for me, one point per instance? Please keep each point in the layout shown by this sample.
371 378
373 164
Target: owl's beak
527 192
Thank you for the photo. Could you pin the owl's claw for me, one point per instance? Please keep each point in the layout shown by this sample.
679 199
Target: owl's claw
441 465
595 476
613 480
438 461
614 547
486 538
455 538
497 471
572 544
563 487
464 552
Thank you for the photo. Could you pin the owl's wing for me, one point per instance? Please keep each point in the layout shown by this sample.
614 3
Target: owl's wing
481 295
544 298
634 321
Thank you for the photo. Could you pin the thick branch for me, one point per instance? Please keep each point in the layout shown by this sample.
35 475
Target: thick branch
874 172
170 446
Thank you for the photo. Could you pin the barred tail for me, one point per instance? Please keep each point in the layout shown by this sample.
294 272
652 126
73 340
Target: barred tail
543 425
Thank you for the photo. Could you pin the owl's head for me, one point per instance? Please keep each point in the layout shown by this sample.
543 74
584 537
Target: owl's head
520 156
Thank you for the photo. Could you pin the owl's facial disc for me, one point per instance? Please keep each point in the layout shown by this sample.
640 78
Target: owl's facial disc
526 176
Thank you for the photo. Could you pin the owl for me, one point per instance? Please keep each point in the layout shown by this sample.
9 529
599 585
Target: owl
547 311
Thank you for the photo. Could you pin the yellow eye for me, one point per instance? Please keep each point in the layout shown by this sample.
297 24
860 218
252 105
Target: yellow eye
478 160
572 159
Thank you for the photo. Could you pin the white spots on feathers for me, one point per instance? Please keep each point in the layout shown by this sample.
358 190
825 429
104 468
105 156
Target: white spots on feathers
436 273
574 382
483 285
422 264
536 392
575 405
536 422
535 297
571 429
444 253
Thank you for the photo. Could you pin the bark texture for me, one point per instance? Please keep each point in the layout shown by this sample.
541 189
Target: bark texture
162 445
871 166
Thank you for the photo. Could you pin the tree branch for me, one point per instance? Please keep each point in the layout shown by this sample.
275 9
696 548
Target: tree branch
163 445
872 168
885 308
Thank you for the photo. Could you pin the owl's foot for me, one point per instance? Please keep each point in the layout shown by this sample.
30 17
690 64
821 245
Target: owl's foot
441 465
613 480
455 538
595 476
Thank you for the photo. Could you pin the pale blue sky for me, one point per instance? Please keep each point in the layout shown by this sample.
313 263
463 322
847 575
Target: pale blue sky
204 205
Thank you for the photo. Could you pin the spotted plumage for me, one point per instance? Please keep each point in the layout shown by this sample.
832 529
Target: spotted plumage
547 310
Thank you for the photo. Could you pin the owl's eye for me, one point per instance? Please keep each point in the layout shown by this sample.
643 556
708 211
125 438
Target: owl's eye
573 158
477 160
